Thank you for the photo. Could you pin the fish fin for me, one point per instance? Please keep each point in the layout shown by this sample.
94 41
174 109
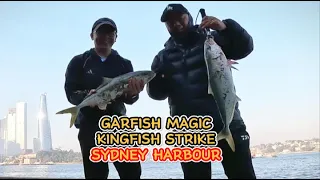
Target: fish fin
234 68
238 99
74 113
102 106
105 81
226 134
231 62
210 90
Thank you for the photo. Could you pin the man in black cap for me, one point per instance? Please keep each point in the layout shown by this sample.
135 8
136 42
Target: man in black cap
84 74
182 78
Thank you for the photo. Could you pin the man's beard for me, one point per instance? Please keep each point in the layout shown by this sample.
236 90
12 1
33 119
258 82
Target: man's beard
183 37
179 35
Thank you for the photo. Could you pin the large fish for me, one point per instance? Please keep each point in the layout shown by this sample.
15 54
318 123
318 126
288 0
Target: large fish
109 90
221 86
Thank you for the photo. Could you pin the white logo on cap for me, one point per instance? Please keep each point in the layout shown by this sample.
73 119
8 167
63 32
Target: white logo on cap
169 8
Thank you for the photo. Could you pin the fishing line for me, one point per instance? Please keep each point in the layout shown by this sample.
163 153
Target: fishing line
197 17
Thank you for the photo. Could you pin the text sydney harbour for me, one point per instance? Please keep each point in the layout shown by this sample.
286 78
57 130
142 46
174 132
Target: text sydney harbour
191 139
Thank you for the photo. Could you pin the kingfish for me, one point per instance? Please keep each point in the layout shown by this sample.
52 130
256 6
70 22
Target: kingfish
221 86
108 91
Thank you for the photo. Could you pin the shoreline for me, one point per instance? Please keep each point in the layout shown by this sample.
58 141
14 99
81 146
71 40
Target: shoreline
67 163
267 155
303 152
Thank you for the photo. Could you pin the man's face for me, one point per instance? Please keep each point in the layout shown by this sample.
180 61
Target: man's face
177 22
104 37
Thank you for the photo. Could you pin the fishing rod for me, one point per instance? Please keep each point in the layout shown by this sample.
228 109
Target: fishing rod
203 14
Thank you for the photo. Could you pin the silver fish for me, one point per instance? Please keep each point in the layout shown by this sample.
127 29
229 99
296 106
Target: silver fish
109 90
221 86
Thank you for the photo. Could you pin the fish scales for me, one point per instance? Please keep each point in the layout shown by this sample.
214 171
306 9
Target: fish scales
109 90
221 86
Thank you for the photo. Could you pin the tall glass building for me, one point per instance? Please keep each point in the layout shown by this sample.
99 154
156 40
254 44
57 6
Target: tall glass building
44 128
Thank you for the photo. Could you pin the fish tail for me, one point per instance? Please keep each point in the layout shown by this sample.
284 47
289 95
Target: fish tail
74 113
225 133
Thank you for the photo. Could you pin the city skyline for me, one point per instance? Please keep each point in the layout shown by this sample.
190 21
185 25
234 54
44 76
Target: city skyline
13 130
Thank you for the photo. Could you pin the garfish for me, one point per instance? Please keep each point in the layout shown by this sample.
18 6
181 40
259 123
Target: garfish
109 90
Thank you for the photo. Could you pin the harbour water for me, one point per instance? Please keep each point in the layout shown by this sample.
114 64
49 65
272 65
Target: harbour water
286 166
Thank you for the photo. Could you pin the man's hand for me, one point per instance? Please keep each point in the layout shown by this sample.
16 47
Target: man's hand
212 23
92 91
134 88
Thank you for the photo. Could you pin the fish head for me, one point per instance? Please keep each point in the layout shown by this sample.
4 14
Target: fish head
145 76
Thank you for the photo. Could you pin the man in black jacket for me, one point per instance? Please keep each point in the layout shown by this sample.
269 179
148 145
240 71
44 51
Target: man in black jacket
182 77
84 74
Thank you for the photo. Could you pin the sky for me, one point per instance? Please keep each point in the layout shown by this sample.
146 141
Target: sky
278 82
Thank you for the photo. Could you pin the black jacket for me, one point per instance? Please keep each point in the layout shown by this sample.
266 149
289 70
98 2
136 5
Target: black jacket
182 75
85 72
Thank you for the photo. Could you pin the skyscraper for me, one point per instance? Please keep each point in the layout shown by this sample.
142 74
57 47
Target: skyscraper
3 126
44 125
2 135
36 145
21 124
11 125
11 146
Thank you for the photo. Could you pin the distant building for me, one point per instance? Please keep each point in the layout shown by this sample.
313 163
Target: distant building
13 131
36 145
44 125
2 147
27 151
11 125
3 126
21 124
2 135
28 158
12 148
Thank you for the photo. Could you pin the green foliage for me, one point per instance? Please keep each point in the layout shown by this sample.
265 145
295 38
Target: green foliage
59 156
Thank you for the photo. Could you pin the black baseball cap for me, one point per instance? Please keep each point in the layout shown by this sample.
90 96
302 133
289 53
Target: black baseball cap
179 8
103 21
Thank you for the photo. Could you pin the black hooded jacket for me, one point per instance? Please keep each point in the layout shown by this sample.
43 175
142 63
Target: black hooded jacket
85 72
182 75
